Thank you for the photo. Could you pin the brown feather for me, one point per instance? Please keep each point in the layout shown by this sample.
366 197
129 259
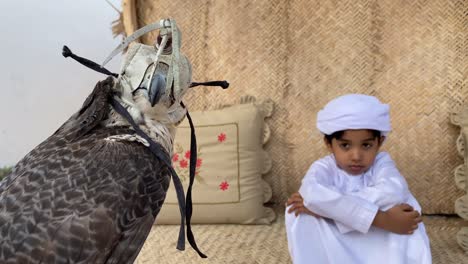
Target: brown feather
79 198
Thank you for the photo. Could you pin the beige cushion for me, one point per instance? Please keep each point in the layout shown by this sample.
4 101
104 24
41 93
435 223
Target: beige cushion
460 118
228 185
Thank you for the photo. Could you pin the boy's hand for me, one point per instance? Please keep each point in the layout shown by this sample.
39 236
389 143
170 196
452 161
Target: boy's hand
298 205
400 219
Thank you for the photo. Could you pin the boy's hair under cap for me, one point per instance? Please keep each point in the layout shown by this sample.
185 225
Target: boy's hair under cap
354 111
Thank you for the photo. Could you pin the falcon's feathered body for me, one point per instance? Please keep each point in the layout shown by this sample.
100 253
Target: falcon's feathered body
81 197
91 192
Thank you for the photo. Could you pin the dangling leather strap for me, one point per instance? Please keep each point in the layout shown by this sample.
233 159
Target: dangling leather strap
193 163
156 149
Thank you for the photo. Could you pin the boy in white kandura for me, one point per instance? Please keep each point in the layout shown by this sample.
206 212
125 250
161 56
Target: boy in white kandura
353 206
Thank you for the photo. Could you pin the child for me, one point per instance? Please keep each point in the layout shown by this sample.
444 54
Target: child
353 206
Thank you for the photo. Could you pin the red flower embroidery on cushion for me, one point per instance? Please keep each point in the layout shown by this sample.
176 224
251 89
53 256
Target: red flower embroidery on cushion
199 163
222 137
187 154
183 163
175 158
224 185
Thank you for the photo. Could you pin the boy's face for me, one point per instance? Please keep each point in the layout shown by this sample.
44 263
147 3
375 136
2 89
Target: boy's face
356 150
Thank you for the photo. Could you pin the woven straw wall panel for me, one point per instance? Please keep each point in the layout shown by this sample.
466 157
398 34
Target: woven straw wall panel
303 53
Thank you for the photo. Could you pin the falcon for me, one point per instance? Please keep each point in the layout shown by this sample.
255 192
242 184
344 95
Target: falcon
91 192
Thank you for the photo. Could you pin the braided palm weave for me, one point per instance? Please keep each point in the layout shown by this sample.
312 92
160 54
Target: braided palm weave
301 54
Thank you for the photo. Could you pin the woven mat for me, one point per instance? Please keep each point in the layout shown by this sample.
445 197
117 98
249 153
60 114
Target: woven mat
249 244
301 54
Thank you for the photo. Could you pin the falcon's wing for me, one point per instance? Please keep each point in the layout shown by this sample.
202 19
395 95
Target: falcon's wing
95 108
93 200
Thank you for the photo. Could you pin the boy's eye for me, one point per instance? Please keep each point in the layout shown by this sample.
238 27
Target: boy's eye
345 145
367 145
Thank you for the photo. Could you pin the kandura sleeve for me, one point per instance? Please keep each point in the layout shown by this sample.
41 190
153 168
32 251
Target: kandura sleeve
386 187
321 197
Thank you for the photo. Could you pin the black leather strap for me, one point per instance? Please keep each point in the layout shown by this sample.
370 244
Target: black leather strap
185 207
66 52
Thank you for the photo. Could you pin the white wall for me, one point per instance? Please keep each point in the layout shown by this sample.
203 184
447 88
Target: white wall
39 88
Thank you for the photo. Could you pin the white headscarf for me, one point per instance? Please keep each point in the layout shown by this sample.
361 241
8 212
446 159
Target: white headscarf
354 111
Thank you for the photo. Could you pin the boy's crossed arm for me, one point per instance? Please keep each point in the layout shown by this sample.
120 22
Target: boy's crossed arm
379 204
400 219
